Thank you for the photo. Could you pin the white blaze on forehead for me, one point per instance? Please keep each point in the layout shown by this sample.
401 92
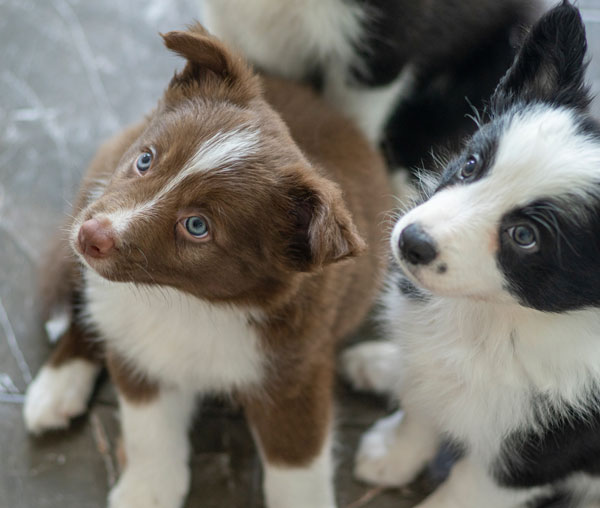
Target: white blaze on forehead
541 154
222 151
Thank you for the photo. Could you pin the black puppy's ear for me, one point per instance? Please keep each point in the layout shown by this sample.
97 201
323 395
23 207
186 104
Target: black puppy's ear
550 66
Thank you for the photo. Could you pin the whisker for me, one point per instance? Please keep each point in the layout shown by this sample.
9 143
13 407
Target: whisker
142 253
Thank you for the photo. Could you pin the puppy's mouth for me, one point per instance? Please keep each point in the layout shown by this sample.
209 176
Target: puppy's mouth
428 277
411 271
102 267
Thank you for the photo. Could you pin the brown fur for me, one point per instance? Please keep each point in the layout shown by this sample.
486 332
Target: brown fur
289 229
60 271
77 343
134 386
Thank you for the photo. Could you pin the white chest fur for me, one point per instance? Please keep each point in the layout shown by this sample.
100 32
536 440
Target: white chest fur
478 369
176 337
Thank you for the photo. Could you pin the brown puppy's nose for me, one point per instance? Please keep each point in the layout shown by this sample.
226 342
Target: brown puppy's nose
95 238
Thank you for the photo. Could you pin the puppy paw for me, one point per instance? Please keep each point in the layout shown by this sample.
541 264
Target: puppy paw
58 394
382 457
137 488
372 366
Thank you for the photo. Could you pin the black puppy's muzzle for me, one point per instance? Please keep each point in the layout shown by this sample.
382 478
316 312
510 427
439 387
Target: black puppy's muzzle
416 246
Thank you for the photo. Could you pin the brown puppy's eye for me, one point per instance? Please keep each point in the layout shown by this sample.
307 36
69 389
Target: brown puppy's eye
144 161
196 226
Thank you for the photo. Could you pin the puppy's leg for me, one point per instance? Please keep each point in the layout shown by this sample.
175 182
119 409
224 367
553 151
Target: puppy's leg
470 486
62 388
372 366
395 450
293 432
154 423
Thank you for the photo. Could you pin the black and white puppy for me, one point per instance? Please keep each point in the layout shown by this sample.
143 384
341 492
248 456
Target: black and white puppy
495 306
401 69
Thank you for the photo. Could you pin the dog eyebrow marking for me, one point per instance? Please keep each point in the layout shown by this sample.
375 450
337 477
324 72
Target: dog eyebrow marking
220 152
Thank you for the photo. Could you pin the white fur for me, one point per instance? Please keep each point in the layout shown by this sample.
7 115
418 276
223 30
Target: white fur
58 394
453 347
97 189
535 147
119 220
188 346
176 337
221 151
471 357
470 487
395 450
157 450
371 366
58 324
368 107
292 37
287 37
585 490
301 487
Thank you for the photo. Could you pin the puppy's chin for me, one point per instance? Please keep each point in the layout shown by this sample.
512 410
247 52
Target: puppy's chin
102 267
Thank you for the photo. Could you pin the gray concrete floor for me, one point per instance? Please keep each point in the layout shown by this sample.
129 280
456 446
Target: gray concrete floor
72 73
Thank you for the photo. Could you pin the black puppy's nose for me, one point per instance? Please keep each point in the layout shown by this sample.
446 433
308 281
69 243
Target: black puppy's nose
416 245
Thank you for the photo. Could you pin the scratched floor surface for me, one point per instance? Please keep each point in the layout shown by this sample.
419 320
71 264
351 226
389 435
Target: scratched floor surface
74 71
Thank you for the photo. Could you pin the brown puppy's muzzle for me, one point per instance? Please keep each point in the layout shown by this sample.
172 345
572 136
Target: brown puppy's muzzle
96 239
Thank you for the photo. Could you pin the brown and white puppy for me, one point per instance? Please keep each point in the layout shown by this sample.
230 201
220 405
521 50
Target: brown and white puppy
213 255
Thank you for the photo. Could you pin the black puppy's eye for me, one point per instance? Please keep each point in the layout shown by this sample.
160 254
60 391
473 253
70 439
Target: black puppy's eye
469 168
524 236
144 161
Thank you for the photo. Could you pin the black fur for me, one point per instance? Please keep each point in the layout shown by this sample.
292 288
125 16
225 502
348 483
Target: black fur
436 116
569 444
556 500
561 272
482 145
564 273
551 65
383 49
458 50
408 289
590 127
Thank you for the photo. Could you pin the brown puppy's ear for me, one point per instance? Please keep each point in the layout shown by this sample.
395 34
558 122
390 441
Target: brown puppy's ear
210 64
322 229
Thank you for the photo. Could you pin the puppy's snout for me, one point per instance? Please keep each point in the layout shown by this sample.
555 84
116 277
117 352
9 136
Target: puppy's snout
96 239
416 245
